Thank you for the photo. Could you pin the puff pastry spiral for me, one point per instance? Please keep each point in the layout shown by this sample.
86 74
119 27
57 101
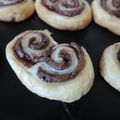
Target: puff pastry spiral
64 14
107 14
56 71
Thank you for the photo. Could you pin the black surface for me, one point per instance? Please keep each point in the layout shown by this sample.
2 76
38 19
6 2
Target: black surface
17 103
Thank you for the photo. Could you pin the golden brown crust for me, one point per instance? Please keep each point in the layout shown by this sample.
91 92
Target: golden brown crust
104 19
17 12
63 22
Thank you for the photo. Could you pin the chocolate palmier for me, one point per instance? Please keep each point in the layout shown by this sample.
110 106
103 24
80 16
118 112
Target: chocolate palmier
16 10
107 14
61 72
64 14
110 65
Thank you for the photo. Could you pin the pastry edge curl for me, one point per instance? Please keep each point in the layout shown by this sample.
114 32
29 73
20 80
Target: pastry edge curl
110 70
62 22
68 91
17 12
104 19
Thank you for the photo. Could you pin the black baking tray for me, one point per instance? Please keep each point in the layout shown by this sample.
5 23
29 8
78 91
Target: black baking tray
17 103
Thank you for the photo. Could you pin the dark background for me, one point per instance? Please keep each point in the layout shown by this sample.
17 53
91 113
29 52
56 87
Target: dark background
17 103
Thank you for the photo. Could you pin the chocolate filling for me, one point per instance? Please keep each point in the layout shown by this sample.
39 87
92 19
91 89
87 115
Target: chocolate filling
9 2
68 8
118 55
29 60
66 62
33 44
115 4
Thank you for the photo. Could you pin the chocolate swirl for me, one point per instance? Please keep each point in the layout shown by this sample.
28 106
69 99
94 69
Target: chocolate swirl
68 8
62 63
31 47
9 2
111 6
46 59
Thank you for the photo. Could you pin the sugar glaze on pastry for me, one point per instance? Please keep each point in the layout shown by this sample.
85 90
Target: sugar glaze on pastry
110 65
107 14
16 10
64 14
65 71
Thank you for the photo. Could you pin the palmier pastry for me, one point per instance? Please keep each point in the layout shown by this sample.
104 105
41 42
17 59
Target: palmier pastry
107 14
64 14
61 72
110 65
16 10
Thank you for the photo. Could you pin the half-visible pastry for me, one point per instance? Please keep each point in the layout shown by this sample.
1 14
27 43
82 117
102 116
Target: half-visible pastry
107 14
110 65
64 14
16 10
61 72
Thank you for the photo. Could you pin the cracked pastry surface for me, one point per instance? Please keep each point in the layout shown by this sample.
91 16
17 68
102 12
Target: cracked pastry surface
16 10
107 14
65 71
64 14
110 65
